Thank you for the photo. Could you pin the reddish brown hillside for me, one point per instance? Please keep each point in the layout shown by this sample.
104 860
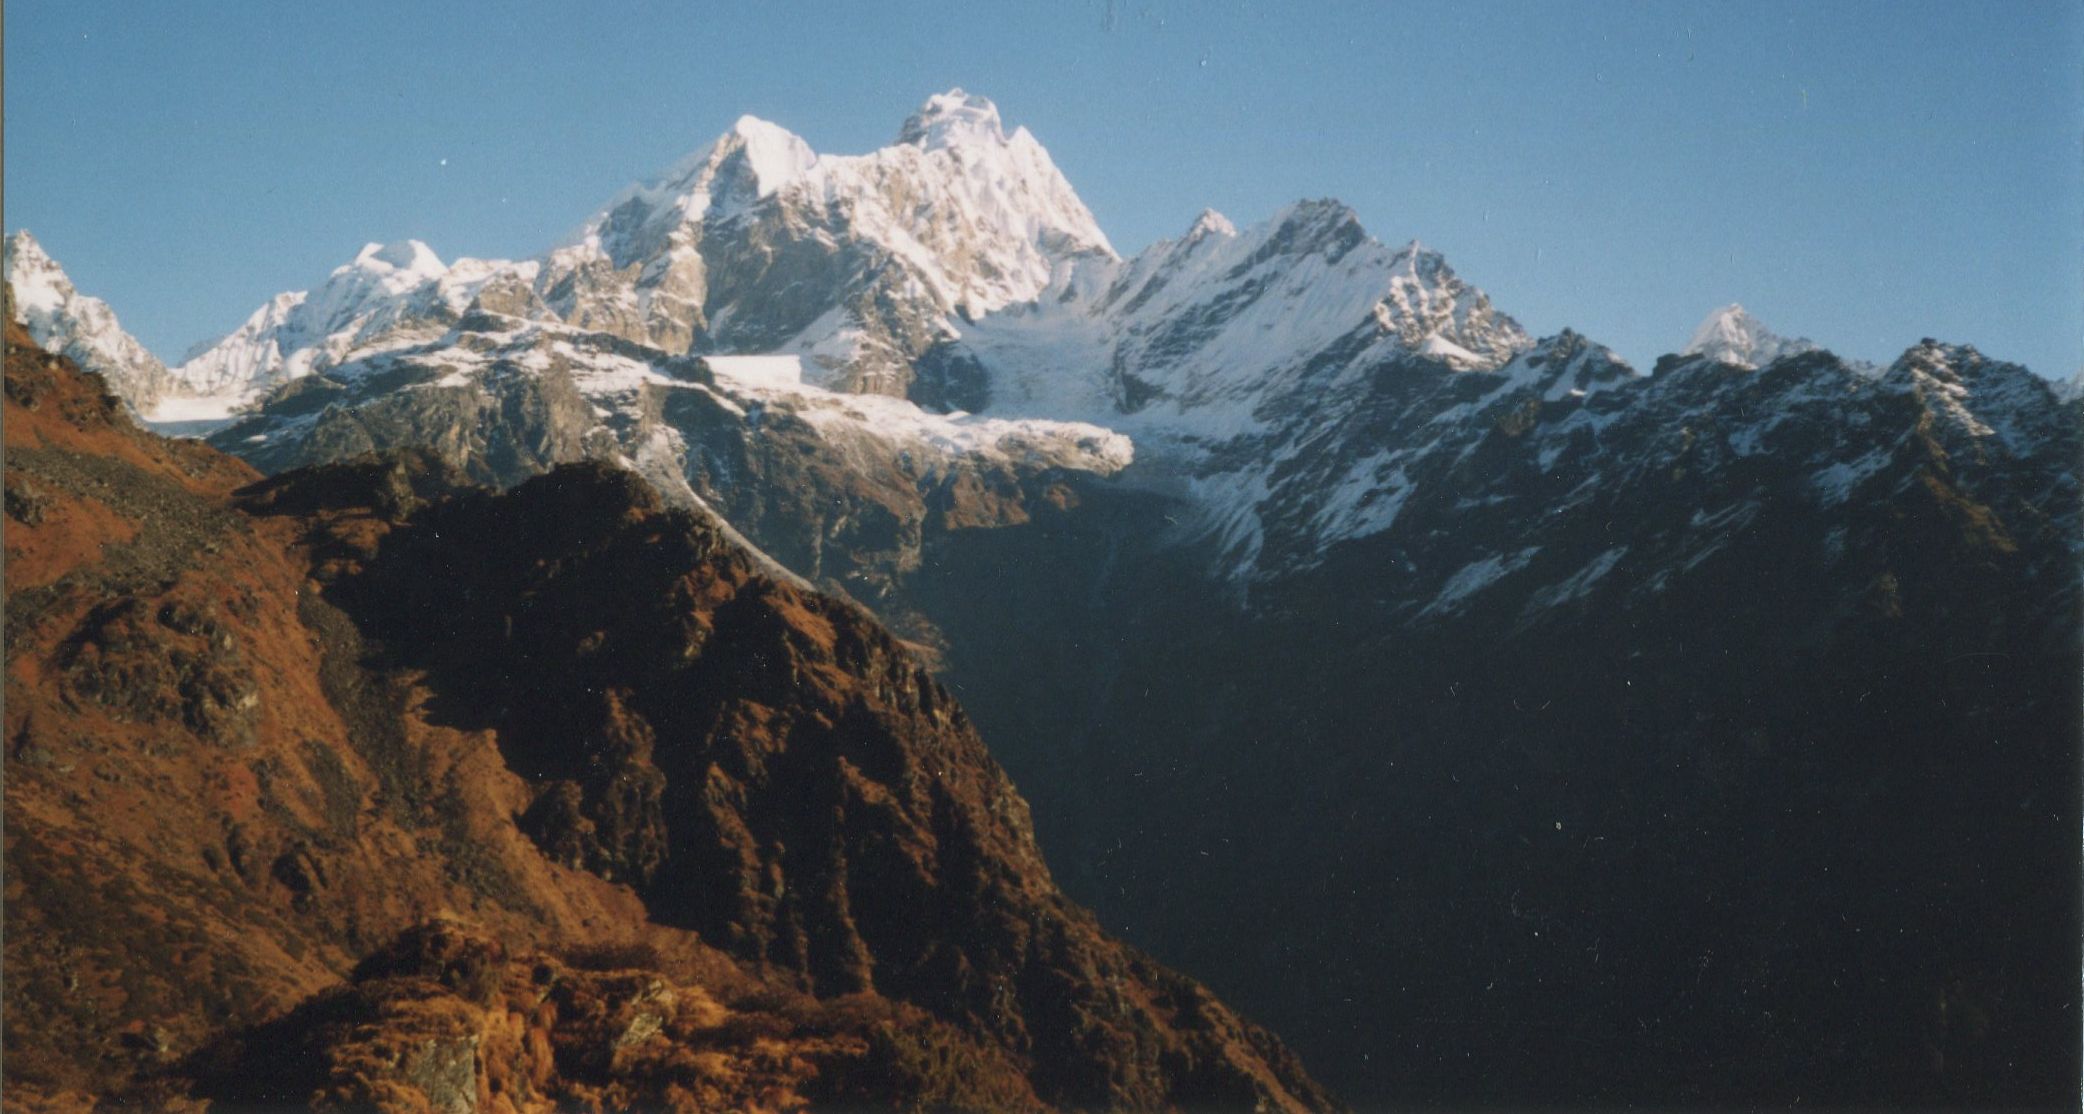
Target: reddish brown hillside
359 785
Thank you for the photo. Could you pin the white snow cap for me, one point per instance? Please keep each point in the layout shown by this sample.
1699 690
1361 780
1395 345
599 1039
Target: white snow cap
23 246
775 155
748 163
1210 223
1730 335
407 261
953 118
61 319
39 284
753 159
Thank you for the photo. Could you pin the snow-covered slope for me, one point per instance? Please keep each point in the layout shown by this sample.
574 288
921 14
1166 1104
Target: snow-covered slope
80 326
1201 333
388 295
1228 354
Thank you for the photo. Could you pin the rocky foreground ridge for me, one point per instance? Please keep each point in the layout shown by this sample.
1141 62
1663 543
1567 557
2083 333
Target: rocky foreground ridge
365 786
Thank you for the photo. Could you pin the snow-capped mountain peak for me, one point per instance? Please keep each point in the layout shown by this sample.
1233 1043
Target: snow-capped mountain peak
406 259
39 283
1730 335
388 293
379 271
1320 226
769 155
745 164
1210 223
63 320
1976 397
1223 333
952 118
374 282
752 244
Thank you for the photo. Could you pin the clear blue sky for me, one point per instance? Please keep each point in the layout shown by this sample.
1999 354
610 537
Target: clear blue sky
1864 174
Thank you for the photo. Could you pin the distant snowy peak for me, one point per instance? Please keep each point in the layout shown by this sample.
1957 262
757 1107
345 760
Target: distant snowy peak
1435 312
403 264
245 358
1223 333
751 161
858 263
740 168
1730 335
951 118
959 134
81 327
40 285
1209 223
1304 280
377 278
388 294
753 244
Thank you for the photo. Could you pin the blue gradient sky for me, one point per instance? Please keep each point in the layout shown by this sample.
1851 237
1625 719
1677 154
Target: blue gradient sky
1863 174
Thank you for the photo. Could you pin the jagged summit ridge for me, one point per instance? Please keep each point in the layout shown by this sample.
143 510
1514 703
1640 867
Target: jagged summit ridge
752 244
1204 335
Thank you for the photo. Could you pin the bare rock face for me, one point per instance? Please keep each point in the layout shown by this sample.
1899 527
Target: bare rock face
366 786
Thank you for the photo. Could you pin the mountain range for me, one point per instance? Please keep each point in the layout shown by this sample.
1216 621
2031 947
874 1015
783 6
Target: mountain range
1573 732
